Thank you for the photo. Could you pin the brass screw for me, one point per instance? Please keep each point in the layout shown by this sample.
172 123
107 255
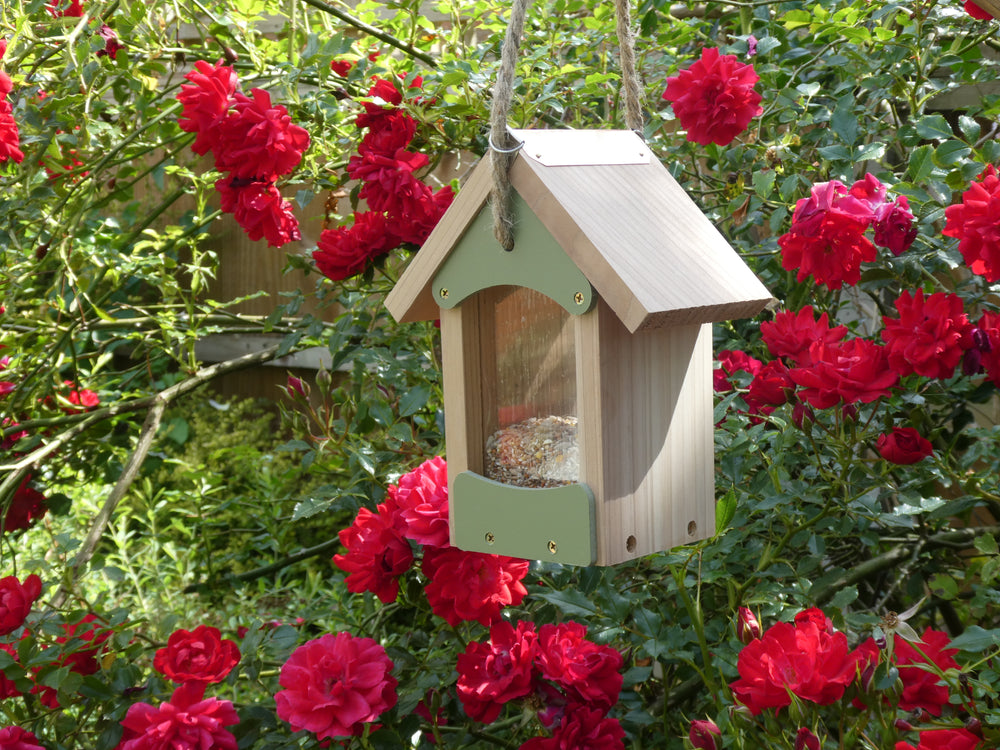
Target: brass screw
490 538
443 292
579 298
552 547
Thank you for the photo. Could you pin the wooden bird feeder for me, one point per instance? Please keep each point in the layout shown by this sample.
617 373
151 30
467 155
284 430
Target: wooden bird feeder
577 367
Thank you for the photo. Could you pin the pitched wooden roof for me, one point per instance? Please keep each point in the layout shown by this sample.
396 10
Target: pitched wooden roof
644 245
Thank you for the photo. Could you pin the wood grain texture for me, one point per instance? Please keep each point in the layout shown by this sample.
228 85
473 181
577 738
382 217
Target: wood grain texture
990 6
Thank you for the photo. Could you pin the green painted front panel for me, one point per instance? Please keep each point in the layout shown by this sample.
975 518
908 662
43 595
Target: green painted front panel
537 261
552 523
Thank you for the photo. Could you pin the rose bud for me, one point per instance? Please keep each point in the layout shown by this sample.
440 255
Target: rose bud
747 627
703 733
806 740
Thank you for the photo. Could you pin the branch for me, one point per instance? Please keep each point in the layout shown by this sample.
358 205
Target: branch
103 517
372 31
274 567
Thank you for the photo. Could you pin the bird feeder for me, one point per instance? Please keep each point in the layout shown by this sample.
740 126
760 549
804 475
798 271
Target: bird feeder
577 367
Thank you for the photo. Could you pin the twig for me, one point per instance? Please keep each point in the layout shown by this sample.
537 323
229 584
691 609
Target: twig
372 31
103 517
274 567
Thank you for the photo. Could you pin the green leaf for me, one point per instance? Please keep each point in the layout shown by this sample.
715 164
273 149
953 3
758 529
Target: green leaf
869 152
414 400
570 602
933 127
921 163
793 19
844 597
844 122
987 544
976 640
763 182
950 152
725 509
969 127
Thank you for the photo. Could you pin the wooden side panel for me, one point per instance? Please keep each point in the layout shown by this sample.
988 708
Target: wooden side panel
461 367
990 6
656 446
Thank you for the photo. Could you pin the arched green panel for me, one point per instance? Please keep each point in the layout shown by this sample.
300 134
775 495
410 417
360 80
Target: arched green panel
537 262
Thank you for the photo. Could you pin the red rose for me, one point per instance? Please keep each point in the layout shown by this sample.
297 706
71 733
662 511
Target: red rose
472 585
8 688
817 617
15 738
772 386
111 43
10 137
416 225
335 684
260 210
586 670
930 336
703 733
714 98
904 446
494 673
16 599
791 334
975 222
419 503
200 655
976 12
394 132
341 67
206 102
25 509
806 740
921 687
986 336
582 728
827 237
943 739
346 251
258 141
71 8
803 659
376 555
187 720
894 228
731 362
855 370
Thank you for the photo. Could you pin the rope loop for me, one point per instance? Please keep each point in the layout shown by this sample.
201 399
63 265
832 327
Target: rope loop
503 146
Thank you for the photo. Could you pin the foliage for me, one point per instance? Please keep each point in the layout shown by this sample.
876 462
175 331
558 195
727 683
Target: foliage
108 281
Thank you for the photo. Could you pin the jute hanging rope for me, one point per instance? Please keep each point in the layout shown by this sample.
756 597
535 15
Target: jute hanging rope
503 146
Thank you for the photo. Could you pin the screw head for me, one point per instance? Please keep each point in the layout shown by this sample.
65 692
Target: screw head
490 538
552 546
579 298
443 292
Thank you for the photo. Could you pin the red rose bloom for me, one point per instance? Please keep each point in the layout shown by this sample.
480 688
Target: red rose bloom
188 720
894 228
258 141
15 738
586 670
346 251
260 210
714 98
376 555
206 102
335 684
976 12
10 137
770 387
341 67
904 446
975 222
111 43
929 337
943 739
16 599
472 585
8 688
25 509
491 674
420 503
58 8
394 132
389 184
703 733
987 339
922 688
827 238
855 370
415 227
732 362
791 334
582 728
201 655
803 659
